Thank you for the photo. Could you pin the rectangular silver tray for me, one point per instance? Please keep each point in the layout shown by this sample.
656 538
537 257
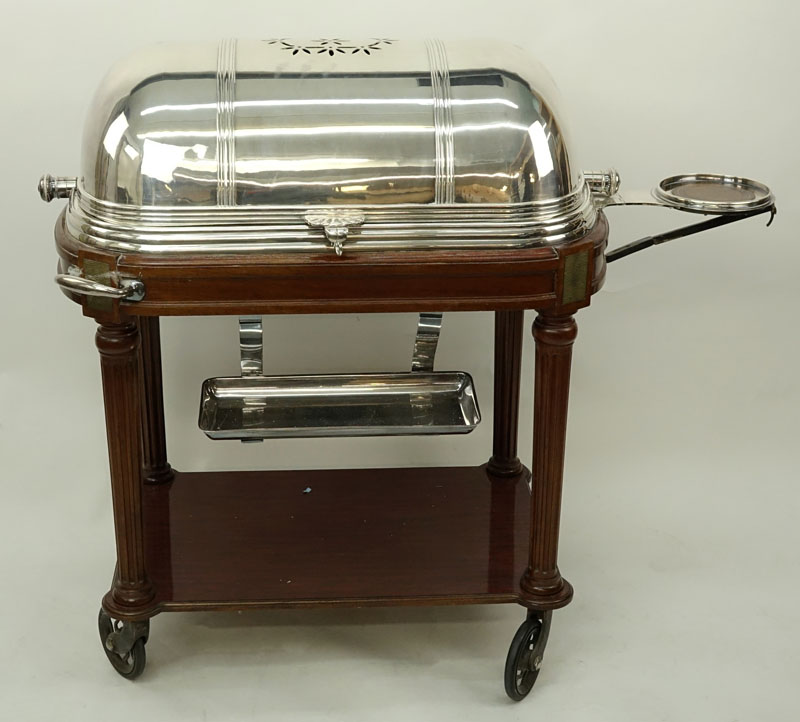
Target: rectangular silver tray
363 404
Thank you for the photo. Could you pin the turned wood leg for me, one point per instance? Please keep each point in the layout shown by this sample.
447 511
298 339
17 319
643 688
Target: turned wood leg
542 585
131 592
508 327
154 441
504 466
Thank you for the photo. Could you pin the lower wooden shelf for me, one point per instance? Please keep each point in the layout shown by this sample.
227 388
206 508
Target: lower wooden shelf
441 535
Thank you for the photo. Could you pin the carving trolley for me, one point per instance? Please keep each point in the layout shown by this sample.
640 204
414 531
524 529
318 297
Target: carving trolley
280 176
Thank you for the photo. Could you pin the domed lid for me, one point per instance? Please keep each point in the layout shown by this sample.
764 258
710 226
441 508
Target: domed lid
409 141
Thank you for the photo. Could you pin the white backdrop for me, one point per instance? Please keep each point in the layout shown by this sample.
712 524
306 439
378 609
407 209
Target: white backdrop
679 522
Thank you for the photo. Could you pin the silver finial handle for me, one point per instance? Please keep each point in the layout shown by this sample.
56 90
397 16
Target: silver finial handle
603 182
56 187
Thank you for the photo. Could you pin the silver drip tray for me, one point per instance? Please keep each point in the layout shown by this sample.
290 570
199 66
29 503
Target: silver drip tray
363 404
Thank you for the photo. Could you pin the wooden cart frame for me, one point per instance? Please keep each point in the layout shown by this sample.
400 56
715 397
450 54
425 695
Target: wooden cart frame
410 536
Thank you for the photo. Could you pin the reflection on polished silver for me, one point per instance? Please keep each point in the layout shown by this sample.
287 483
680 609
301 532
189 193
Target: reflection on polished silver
373 404
53 187
251 345
336 224
225 148
130 289
428 329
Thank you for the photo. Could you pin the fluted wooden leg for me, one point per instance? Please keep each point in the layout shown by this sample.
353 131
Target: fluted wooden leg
131 592
508 327
154 441
542 585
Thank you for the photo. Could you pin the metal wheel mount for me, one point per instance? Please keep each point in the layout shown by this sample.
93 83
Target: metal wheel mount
525 655
123 643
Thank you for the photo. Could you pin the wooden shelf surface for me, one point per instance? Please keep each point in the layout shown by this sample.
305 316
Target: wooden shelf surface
442 535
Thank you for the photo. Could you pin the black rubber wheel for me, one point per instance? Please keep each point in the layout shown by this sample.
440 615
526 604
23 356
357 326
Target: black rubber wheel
525 655
129 665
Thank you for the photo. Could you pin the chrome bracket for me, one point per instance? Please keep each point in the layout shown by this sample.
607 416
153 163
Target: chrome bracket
251 345
251 351
428 329
336 225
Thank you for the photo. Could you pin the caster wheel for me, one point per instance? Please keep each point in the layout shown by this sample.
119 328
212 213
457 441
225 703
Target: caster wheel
525 655
123 643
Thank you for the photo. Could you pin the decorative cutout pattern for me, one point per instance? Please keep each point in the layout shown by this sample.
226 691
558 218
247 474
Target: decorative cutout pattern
332 46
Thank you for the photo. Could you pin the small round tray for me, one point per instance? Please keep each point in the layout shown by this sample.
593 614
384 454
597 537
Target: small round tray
711 193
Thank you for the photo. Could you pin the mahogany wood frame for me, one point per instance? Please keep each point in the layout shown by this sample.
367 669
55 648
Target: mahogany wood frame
153 504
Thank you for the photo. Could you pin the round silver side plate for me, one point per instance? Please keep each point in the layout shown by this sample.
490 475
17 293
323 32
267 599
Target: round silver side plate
711 193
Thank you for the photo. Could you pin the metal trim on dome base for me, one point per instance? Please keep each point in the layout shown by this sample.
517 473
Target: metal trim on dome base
261 229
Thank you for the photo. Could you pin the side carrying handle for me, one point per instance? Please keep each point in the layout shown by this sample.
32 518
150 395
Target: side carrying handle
648 241
130 289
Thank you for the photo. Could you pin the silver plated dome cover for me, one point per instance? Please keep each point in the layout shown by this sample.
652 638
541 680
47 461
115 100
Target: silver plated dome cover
281 144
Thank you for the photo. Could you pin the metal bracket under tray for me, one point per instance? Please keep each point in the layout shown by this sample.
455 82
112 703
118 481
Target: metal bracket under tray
252 407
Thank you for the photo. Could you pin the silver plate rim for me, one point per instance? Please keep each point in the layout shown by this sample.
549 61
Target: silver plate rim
664 193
